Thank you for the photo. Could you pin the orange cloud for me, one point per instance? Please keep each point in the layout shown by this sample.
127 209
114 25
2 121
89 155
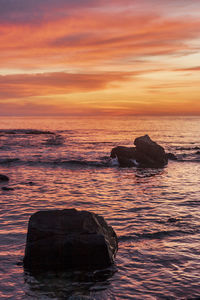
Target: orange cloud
39 108
94 38
44 84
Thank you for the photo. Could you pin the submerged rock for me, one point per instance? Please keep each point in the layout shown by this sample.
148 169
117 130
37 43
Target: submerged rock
147 153
4 178
173 220
63 239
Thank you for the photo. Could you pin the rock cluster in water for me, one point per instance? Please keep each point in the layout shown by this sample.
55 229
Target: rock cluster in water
146 153
64 239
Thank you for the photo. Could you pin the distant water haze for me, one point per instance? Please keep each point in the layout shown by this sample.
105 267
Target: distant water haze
57 163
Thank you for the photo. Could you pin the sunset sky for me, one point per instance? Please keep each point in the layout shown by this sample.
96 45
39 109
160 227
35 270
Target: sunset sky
97 57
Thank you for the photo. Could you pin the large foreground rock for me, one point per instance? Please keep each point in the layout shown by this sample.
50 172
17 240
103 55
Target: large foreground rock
147 153
63 239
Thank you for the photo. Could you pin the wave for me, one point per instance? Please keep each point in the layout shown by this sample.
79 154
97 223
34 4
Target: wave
157 235
84 163
164 233
54 163
25 131
187 148
190 157
101 162
55 140
189 160
9 160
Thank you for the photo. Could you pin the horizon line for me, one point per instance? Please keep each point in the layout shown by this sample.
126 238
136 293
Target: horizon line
102 115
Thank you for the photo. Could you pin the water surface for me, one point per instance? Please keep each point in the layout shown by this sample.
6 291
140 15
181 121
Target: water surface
64 163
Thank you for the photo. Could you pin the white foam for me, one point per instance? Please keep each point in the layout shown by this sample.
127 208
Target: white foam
114 162
135 162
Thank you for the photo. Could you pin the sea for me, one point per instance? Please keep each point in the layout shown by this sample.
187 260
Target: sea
64 162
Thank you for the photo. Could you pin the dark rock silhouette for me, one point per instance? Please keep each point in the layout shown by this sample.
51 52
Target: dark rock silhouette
147 153
5 188
171 156
173 220
3 178
63 239
30 182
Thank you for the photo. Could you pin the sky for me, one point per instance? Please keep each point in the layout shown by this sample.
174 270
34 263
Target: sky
98 57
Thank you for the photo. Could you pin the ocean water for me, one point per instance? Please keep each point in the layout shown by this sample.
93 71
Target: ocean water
57 163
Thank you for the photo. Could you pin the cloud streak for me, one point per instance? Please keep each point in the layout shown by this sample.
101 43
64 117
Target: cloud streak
45 84
191 69
94 38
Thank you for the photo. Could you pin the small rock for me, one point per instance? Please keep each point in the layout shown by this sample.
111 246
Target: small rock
173 220
31 183
4 178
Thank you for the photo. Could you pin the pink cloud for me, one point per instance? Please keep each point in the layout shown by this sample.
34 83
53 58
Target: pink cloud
94 38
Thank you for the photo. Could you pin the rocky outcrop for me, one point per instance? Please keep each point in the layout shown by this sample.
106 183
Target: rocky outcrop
147 153
63 239
3 178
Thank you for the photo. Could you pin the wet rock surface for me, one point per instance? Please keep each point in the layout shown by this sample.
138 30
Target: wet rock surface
65 239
